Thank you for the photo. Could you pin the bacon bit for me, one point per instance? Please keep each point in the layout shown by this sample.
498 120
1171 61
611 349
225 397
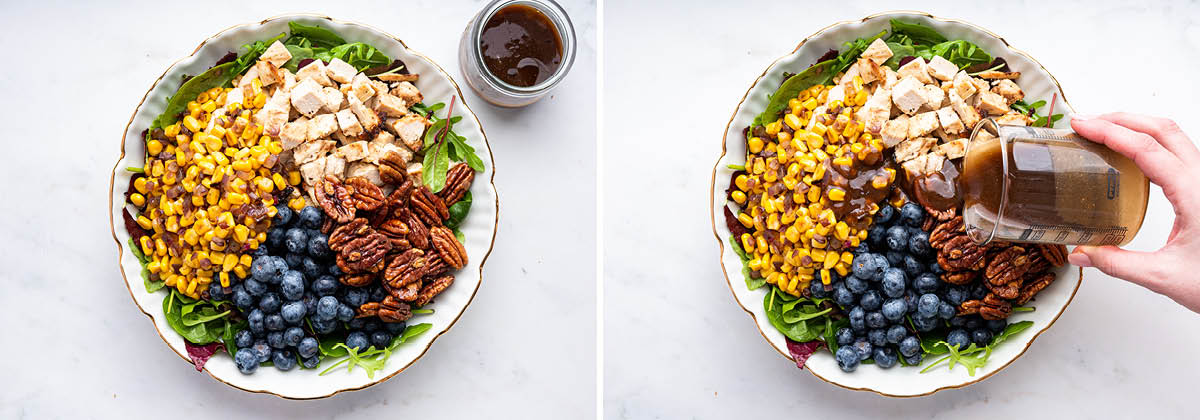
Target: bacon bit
802 351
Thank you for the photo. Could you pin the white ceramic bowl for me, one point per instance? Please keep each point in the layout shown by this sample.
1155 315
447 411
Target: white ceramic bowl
479 227
898 381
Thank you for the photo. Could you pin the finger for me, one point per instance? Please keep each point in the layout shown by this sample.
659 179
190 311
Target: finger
1165 131
1136 267
1162 167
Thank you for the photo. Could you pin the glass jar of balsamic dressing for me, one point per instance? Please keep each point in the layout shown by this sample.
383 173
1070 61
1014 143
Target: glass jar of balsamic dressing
515 51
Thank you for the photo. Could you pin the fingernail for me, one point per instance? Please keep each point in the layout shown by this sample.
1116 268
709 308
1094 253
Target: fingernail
1079 258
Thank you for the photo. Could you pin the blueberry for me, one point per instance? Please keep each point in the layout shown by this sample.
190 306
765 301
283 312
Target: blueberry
277 268
816 289
858 319
847 358
863 347
372 324
395 327
294 261
914 360
894 282
870 300
912 214
885 214
292 336
973 323
254 288
381 339
325 286
936 268
296 240
981 337
345 313
308 347
956 295
855 284
327 308
927 305
958 321
246 360
894 309
261 251
896 333
885 357
918 244
844 336
243 339
263 350
910 345
926 283
912 266
270 303
324 326
241 299
260 269
283 216
925 324
946 311
863 266
979 291
255 321
318 246
377 293
910 299
875 320
274 322
958 338
284 360
877 237
310 362
216 292
843 296
293 312
292 286
880 267
356 296
357 340
897 238
997 325
336 271
276 237
877 337
895 258
311 269
311 217
275 339
356 323
310 302
862 248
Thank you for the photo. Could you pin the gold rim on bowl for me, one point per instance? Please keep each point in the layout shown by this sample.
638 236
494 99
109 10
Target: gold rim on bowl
462 100
721 241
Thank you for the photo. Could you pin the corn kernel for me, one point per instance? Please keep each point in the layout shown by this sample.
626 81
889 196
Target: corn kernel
739 197
755 144
836 193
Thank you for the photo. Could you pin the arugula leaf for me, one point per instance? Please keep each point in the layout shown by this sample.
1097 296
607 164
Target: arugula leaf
359 55
790 89
959 52
312 35
972 357
136 170
899 51
736 167
253 51
217 76
458 211
914 33
371 359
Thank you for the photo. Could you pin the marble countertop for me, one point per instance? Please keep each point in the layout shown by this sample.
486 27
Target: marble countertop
77 347
676 343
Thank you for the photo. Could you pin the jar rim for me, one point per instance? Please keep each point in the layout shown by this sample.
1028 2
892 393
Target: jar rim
562 24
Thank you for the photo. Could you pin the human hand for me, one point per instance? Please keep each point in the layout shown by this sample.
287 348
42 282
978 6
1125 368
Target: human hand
1171 160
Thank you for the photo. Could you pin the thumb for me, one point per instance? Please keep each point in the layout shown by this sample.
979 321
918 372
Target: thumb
1133 266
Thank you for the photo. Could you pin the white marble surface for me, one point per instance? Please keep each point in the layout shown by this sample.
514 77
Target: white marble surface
676 343
75 344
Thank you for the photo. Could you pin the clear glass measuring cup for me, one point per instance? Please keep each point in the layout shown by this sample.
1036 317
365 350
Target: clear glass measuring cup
1029 184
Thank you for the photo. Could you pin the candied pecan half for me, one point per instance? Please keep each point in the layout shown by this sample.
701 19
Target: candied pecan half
408 293
435 287
959 277
397 232
341 236
1007 266
357 280
392 168
946 231
364 254
970 307
418 233
366 195
1033 286
960 253
1054 253
458 181
393 310
405 268
1007 290
428 206
993 308
448 247
335 199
